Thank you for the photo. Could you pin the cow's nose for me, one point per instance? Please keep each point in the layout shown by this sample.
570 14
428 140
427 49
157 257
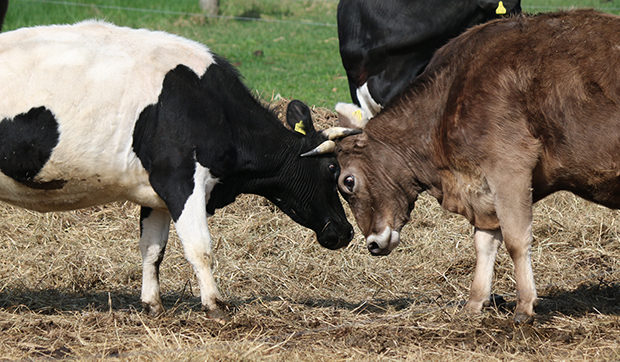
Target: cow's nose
332 238
384 242
375 250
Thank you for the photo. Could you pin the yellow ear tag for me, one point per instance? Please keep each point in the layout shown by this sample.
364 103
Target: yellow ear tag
501 10
299 127
358 114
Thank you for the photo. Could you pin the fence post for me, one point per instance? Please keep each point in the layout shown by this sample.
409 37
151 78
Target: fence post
210 6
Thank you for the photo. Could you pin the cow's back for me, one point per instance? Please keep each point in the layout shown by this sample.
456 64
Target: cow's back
543 91
92 80
385 44
51 64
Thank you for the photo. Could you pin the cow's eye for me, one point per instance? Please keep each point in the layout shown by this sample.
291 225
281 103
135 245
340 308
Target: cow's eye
333 168
349 183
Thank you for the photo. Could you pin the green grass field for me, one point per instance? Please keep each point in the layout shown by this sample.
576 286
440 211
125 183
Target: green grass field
292 50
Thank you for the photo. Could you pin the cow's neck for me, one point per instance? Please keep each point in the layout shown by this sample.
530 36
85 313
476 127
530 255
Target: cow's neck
264 155
410 127
262 144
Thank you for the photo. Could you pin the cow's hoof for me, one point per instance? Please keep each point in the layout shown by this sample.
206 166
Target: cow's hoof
523 318
496 301
219 314
473 308
153 310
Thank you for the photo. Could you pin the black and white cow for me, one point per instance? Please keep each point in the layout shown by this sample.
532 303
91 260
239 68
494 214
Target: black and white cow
385 44
93 113
4 5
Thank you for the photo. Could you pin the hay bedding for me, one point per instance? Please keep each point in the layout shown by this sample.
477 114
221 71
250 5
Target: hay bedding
70 289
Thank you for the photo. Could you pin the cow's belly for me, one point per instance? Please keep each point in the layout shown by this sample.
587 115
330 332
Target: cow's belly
82 190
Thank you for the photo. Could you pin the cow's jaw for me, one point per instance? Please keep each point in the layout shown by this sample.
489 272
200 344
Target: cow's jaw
384 243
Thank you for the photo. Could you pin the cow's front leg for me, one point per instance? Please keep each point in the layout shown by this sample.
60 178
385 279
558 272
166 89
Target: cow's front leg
192 228
486 244
154 227
513 204
519 248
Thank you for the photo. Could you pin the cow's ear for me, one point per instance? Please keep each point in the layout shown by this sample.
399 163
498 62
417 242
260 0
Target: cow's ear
299 118
351 116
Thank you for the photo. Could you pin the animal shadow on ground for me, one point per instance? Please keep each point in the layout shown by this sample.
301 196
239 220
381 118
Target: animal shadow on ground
600 298
51 301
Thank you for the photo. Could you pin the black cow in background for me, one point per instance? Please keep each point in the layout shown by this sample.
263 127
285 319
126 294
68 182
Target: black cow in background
385 44
4 5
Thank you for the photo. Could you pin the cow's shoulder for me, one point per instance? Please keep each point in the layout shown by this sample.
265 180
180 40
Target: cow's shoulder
196 118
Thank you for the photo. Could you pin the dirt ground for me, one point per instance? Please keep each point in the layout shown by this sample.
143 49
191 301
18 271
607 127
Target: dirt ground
70 290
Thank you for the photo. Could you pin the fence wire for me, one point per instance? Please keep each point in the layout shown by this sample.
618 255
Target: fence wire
171 12
229 17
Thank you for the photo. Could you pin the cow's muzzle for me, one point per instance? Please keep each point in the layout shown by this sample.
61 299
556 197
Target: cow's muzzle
384 243
332 237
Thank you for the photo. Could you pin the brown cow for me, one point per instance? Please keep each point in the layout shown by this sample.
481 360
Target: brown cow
505 114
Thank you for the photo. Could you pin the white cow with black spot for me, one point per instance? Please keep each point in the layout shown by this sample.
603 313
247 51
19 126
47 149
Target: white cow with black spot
93 113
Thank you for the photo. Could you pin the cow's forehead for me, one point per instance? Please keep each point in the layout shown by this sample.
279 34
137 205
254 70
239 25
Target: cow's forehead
351 145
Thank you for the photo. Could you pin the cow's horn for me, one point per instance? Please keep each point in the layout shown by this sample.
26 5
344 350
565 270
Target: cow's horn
339 132
326 147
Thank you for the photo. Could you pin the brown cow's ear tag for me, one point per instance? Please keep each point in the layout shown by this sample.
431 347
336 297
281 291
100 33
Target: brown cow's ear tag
501 10
358 114
299 127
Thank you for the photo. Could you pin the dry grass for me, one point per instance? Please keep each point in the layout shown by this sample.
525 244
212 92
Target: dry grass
70 288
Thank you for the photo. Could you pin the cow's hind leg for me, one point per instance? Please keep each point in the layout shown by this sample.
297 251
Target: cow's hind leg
154 227
486 244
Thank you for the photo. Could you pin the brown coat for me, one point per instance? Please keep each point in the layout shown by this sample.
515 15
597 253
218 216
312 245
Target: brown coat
505 114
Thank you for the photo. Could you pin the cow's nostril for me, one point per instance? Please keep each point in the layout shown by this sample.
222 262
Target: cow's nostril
373 247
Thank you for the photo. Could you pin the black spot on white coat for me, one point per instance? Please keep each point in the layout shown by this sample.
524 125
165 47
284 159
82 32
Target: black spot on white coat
26 144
